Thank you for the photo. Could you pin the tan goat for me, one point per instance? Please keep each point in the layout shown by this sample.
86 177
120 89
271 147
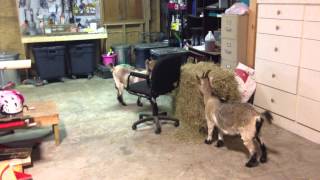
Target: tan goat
120 75
234 119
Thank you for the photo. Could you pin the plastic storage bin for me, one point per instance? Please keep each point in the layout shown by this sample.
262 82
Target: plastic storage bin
109 59
82 59
50 62
142 52
123 52
161 53
8 75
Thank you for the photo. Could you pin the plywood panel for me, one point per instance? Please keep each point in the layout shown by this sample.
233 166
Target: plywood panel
134 9
9 28
252 28
111 10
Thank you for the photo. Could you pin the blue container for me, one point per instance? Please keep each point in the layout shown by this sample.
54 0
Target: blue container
142 52
50 62
161 53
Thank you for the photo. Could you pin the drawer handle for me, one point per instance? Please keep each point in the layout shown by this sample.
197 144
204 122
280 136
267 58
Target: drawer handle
228 29
278 12
273 75
276 49
277 27
272 100
227 51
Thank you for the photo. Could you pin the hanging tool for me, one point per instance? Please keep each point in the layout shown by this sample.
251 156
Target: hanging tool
44 4
22 3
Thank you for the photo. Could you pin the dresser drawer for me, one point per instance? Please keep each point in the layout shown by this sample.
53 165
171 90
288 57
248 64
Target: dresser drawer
277 75
234 26
309 84
228 64
312 13
308 113
284 1
280 27
310 54
277 101
311 30
278 48
275 11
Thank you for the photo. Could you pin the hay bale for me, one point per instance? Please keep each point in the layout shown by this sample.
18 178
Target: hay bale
188 102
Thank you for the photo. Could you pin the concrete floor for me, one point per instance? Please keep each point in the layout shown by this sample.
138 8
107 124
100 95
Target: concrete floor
98 143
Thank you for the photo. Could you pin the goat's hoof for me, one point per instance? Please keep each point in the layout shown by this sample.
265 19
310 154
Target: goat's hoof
250 164
208 141
157 131
252 161
134 127
263 157
176 124
123 104
139 104
220 144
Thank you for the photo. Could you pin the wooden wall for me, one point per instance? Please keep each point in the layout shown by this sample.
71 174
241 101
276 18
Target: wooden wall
10 35
9 28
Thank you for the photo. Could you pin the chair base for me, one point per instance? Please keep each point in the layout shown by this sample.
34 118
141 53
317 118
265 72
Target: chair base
156 119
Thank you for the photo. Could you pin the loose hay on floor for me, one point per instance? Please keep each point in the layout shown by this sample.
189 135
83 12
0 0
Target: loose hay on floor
188 102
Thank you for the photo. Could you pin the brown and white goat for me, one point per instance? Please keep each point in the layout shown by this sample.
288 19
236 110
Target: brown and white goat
234 119
120 75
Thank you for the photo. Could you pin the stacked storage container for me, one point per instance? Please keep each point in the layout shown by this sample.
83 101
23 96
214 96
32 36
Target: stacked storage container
82 59
50 62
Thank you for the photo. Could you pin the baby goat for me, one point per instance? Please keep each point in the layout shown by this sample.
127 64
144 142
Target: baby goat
233 119
120 75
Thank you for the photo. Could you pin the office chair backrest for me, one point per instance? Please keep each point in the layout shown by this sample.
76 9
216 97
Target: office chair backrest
165 75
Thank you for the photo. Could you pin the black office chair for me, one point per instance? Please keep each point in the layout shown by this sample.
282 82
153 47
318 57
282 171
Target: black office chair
164 78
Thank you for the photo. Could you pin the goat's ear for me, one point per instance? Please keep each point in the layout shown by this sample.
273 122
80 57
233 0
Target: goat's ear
110 65
206 75
198 79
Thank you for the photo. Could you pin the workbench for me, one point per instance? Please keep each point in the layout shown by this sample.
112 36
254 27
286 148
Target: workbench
63 37
45 113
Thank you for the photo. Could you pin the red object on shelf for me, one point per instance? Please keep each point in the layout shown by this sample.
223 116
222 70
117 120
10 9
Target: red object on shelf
22 176
171 6
12 124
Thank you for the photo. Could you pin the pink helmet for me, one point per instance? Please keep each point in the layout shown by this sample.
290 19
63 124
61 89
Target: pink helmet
11 102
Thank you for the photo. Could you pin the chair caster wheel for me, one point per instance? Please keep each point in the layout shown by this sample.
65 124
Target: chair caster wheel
74 77
134 127
176 124
157 131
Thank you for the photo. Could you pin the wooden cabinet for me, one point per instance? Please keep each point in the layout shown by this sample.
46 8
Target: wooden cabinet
287 64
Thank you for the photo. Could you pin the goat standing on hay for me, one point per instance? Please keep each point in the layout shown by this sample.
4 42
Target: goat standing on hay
120 75
233 119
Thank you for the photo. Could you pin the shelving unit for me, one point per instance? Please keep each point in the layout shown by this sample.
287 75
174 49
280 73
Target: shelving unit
176 37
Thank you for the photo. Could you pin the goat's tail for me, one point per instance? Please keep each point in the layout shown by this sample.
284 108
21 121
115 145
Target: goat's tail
263 116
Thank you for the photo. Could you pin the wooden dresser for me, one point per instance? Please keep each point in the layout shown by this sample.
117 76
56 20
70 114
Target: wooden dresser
287 64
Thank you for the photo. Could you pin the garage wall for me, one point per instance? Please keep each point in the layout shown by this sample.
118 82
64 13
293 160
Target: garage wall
10 35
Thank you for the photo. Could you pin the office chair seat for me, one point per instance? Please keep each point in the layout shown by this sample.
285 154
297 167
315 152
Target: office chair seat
142 88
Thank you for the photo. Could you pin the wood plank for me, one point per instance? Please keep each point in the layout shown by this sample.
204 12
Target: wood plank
252 29
76 37
44 112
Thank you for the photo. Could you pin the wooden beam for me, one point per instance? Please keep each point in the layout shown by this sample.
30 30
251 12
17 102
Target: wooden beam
146 15
252 30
